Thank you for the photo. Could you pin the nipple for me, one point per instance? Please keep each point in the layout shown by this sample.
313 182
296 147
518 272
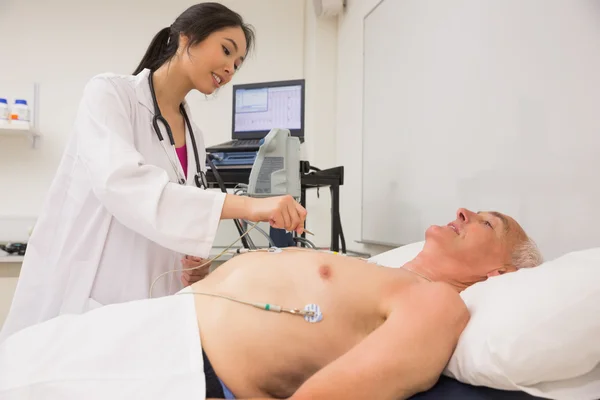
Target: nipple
325 271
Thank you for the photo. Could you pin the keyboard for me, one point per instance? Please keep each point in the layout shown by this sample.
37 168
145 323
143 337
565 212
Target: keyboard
246 142
241 143
236 145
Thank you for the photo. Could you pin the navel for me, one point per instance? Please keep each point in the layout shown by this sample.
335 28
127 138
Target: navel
325 271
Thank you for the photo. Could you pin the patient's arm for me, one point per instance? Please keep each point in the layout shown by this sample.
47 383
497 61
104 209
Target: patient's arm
404 356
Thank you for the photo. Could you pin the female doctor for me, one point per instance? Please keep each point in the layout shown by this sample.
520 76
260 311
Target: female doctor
126 204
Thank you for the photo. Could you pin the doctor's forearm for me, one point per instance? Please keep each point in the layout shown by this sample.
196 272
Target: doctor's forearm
236 207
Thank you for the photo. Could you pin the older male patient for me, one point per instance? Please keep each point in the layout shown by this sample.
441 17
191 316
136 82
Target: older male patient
385 333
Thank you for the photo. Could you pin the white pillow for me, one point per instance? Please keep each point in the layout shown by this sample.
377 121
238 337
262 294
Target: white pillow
535 330
399 256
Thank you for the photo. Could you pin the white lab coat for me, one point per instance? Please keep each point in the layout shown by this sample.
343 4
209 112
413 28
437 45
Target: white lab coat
114 218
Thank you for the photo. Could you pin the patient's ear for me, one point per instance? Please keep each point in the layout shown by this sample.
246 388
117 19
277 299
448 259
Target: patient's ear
501 271
495 272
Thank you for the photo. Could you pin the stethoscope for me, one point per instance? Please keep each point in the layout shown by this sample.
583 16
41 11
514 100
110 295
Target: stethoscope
200 177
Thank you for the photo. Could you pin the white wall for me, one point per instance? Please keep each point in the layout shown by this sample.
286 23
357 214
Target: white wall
509 96
555 53
9 273
349 122
320 68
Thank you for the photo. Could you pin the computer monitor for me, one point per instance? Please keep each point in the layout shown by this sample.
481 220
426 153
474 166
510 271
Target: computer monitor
260 107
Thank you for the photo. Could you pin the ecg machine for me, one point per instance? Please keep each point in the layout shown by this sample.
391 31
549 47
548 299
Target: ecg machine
257 109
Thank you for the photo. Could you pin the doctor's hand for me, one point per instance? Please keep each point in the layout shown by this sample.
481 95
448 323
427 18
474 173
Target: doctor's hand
193 276
281 212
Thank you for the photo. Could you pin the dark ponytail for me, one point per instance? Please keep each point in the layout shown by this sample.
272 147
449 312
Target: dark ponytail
197 23
160 50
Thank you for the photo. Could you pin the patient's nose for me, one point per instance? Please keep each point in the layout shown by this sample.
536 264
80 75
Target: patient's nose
462 214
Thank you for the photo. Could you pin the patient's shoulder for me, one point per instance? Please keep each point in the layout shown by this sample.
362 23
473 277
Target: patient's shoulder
446 297
438 301
443 291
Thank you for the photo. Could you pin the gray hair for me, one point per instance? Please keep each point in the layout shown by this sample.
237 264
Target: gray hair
527 255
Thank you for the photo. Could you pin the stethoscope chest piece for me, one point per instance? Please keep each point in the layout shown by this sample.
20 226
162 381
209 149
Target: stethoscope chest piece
201 180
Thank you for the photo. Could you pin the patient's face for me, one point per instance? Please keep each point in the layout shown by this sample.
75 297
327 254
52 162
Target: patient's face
482 241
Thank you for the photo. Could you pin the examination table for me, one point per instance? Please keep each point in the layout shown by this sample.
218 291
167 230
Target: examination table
451 389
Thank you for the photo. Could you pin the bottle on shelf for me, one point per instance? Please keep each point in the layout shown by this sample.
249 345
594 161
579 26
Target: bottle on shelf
4 114
19 114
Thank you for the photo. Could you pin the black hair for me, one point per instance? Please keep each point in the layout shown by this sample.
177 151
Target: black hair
197 23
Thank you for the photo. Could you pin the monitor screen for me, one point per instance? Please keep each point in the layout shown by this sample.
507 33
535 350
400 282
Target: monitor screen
260 107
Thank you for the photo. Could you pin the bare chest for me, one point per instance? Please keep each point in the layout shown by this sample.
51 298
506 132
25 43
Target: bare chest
283 350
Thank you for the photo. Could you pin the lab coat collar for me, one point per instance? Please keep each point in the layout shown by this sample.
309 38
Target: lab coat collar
142 89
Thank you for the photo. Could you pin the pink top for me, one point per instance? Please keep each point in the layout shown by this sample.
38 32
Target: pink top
182 155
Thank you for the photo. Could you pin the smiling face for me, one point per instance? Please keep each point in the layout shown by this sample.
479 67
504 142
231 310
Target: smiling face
211 63
482 243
